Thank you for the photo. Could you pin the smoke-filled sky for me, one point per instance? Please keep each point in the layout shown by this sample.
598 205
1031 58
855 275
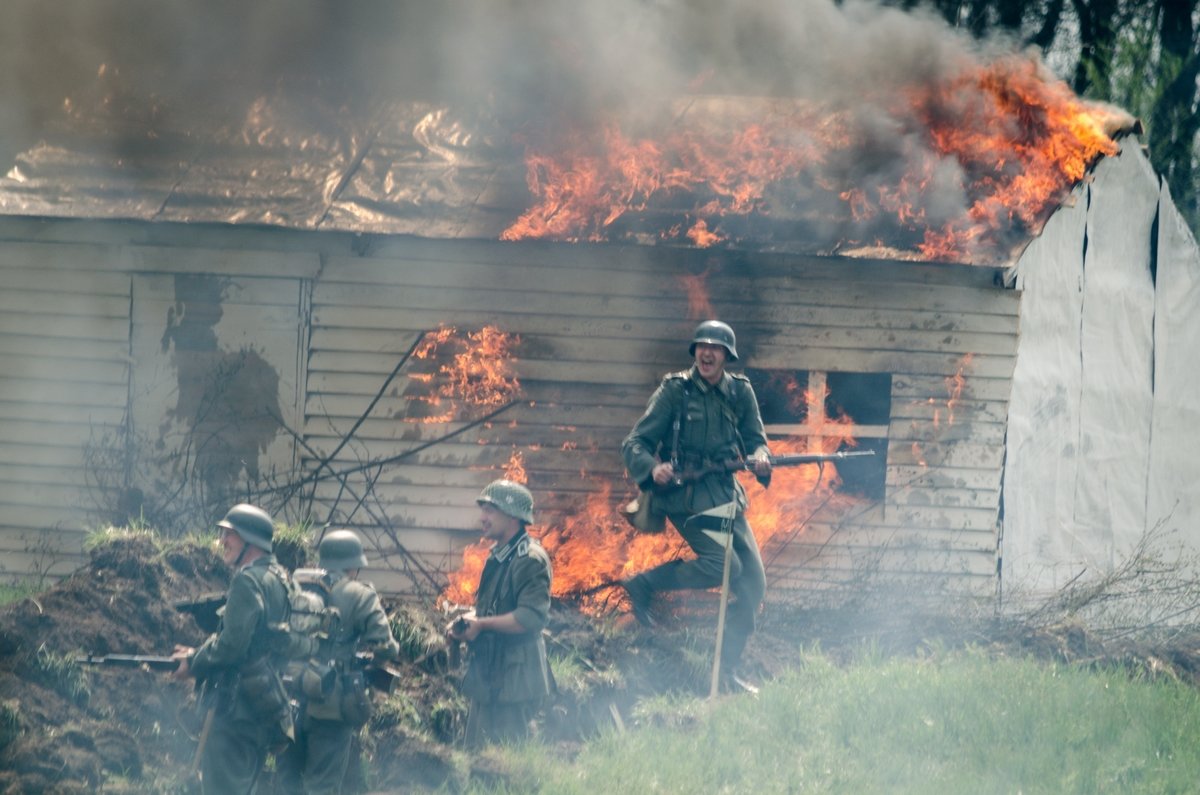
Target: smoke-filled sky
172 56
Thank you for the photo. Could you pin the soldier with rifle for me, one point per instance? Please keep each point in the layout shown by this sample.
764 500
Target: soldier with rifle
239 666
335 704
695 419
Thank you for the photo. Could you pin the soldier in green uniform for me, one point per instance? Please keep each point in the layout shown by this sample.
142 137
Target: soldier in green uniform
317 761
240 664
695 419
507 677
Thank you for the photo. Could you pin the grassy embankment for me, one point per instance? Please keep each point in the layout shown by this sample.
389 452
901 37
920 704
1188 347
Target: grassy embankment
948 724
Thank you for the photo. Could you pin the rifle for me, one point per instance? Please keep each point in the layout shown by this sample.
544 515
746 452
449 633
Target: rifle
153 662
637 512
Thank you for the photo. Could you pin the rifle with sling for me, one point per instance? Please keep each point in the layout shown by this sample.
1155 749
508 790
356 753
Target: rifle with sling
637 512
692 474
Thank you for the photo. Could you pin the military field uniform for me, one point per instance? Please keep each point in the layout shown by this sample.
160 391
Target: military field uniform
317 762
508 677
241 670
718 423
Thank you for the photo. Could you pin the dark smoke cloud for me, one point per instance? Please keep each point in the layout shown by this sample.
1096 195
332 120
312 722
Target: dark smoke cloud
531 57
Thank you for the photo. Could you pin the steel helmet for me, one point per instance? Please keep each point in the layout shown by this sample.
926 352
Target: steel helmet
714 332
510 498
251 523
340 550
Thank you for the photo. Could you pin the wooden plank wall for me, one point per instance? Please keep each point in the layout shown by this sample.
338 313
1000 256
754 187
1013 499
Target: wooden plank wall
64 389
597 327
68 366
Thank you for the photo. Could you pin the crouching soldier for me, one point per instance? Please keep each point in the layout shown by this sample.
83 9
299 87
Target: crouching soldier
317 761
507 677
248 710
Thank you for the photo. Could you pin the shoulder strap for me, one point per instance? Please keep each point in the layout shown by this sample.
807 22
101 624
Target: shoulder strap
678 423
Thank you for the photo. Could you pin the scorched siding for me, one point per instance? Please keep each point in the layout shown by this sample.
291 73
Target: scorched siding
599 325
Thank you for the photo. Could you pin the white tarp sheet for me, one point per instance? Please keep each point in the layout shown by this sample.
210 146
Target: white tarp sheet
1106 391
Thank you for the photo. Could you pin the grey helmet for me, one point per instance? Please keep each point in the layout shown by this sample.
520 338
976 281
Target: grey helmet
251 523
340 550
510 498
714 332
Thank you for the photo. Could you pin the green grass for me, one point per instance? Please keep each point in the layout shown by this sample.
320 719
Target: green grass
16 591
954 724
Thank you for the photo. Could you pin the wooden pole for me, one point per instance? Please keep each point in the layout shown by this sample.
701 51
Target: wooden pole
716 670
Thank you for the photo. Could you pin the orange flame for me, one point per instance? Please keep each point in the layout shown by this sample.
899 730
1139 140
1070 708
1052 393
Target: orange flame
1004 140
696 287
475 369
954 386
1029 141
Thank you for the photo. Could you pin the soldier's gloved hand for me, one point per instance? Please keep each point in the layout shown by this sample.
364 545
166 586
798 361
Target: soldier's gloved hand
761 462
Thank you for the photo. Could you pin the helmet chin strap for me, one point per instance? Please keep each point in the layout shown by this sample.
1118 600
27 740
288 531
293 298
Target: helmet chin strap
242 553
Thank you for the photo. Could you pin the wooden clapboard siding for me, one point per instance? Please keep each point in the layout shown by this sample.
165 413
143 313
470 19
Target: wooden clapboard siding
64 385
38 557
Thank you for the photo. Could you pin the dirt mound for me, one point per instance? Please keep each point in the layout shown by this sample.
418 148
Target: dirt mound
67 730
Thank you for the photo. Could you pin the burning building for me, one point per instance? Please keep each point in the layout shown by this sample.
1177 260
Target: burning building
362 317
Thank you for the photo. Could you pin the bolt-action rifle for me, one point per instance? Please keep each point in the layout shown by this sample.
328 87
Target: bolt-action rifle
637 512
151 661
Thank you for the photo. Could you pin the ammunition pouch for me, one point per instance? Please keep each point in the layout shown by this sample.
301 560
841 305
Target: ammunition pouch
640 514
316 680
261 688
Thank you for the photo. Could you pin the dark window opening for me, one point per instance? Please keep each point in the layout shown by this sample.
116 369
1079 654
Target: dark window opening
812 404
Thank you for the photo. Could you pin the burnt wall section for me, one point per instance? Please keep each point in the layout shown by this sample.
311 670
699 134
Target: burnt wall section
213 391
1105 393
260 359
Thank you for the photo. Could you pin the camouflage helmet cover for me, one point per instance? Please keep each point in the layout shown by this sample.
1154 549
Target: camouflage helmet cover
714 332
508 497
251 523
340 550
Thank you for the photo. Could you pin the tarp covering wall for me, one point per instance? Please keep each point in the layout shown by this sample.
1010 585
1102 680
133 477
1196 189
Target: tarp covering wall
1105 391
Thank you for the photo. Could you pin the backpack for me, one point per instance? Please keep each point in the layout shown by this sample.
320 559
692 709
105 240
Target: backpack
312 624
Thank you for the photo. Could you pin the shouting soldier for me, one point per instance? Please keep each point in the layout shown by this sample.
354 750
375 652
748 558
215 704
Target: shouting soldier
695 419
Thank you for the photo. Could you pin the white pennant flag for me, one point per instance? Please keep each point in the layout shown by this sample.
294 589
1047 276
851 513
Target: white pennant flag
725 513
